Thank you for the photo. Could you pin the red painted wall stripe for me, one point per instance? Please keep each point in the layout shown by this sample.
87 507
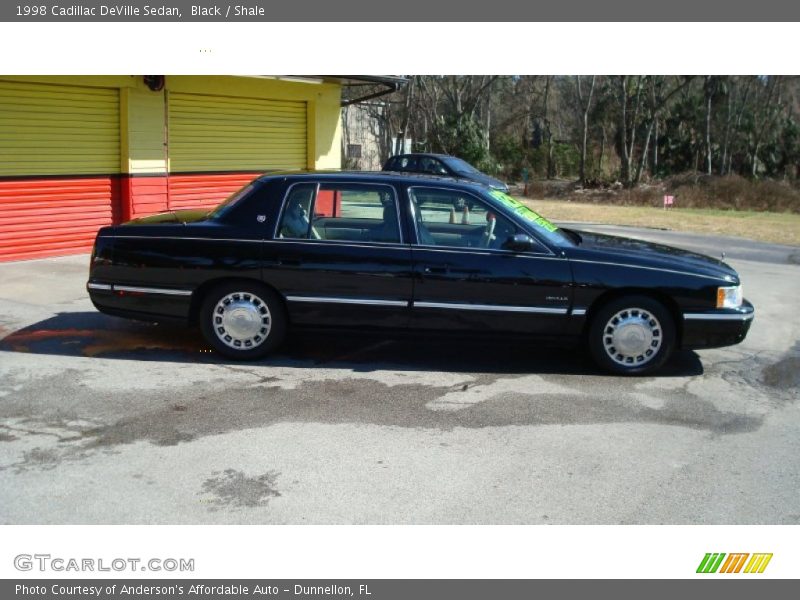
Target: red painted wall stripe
55 215
194 190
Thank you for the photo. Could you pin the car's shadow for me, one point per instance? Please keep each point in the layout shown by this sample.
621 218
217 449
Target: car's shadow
92 334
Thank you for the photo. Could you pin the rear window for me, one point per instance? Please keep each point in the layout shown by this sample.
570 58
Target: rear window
231 201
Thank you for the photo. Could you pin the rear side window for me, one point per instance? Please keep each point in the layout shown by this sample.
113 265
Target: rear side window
401 163
295 222
408 163
431 165
340 212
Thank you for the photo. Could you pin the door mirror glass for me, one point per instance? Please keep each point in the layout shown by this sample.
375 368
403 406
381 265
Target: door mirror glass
519 242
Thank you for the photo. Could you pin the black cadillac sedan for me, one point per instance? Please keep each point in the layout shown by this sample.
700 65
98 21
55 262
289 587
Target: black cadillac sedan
442 164
387 251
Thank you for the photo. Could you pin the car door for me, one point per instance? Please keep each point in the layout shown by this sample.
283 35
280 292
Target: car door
467 278
339 256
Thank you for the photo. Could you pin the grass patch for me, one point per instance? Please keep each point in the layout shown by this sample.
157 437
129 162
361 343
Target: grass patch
778 228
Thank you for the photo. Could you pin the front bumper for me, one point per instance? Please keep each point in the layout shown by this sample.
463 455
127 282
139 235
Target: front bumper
716 328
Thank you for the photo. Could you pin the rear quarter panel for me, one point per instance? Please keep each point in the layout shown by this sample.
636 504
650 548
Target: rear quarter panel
181 257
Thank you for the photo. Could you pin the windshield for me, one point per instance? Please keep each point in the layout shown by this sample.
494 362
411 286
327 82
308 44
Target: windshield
544 227
461 166
230 201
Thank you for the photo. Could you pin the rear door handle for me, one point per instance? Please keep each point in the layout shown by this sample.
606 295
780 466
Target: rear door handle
289 262
429 270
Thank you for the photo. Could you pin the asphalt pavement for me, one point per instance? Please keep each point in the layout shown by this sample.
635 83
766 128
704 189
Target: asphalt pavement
104 420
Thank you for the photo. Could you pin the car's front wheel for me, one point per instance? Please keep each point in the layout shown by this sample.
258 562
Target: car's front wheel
243 321
632 335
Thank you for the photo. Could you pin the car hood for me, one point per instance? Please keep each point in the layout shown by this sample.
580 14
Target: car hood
171 217
490 181
483 178
602 247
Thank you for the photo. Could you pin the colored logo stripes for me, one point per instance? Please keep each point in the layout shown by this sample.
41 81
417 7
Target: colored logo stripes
713 562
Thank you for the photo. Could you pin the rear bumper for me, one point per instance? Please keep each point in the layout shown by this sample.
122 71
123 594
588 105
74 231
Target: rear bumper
716 328
141 303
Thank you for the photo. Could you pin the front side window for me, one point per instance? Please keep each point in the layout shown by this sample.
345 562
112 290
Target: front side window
456 219
340 212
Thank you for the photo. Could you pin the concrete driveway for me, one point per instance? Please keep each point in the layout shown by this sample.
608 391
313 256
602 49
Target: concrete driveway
103 420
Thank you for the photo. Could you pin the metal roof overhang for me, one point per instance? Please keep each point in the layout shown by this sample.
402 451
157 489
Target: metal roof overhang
388 83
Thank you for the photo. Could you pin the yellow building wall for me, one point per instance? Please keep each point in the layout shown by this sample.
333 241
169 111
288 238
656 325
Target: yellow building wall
81 152
323 101
58 129
143 116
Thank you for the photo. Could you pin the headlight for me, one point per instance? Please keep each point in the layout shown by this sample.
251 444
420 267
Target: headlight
729 297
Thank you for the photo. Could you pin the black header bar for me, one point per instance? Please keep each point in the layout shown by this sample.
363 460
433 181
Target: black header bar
394 589
401 11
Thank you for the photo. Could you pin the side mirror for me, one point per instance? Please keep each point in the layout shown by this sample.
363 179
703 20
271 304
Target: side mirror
519 242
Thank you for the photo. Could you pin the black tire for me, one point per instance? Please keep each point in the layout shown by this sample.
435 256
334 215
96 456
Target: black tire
644 331
256 319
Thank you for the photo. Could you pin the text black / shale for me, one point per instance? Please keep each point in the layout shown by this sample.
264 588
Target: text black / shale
206 11
249 11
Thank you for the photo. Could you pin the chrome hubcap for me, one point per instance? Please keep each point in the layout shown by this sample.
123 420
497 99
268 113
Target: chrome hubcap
242 320
632 337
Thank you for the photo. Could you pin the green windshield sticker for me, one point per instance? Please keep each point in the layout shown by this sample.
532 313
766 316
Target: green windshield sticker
523 211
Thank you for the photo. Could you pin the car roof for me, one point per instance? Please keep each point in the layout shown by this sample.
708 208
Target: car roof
401 177
430 154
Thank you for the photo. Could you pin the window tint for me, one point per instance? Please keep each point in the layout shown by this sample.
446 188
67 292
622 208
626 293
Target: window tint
354 213
403 163
431 165
461 166
295 222
450 218
231 201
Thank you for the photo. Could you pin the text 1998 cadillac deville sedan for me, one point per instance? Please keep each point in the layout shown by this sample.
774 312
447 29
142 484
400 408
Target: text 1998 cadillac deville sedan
414 253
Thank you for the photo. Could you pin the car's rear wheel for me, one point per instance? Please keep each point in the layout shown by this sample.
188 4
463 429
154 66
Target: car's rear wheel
632 335
243 321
